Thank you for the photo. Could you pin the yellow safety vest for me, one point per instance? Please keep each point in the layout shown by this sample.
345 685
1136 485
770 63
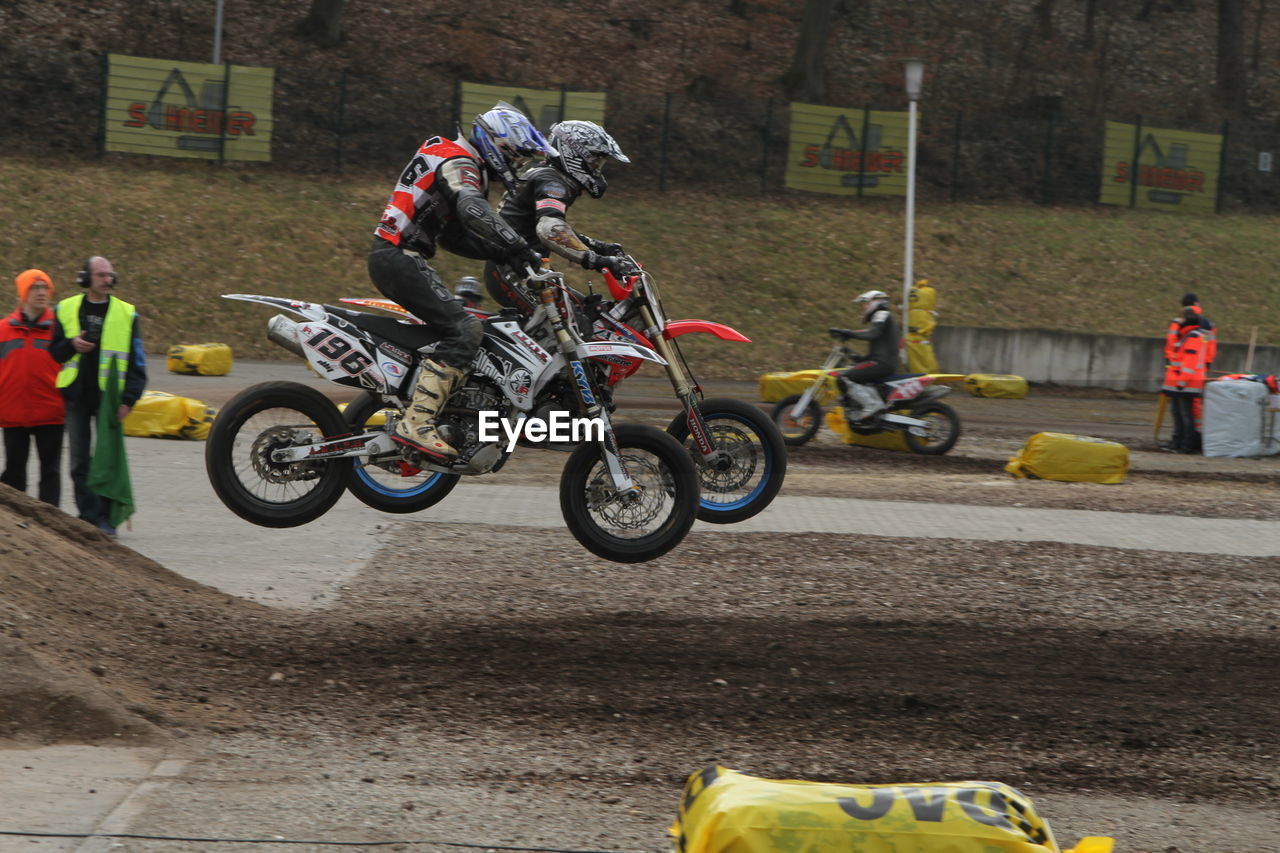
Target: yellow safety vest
117 339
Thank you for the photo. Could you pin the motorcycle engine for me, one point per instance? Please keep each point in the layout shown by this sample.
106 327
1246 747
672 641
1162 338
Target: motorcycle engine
459 422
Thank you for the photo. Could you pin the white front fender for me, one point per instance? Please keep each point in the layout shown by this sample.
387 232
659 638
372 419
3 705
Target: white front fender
596 349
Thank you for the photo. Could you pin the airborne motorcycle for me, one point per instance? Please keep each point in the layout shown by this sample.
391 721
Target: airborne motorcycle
740 455
280 453
928 426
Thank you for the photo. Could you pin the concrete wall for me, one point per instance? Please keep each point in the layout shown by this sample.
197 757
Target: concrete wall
1067 358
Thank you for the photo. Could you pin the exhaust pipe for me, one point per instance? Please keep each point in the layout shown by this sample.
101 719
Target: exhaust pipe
283 331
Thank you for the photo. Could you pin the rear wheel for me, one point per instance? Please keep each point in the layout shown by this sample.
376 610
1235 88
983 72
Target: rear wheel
744 473
258 422
636 526
388 483
940 434
797 429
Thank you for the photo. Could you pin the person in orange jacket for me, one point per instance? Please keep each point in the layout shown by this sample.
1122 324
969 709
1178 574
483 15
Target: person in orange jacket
1186 368
1210 338
31 408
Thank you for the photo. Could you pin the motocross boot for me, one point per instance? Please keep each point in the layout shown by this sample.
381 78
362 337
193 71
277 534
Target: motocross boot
862 401
417 429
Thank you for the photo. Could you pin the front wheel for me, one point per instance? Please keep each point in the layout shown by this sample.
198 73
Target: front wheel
389 484
797 430
635 526
258 421
745 471
941 432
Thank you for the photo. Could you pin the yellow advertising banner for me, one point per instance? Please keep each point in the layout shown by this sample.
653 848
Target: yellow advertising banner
188 109
544 107
1175 169
828 146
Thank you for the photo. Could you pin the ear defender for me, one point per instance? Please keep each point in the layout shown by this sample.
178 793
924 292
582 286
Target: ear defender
82 275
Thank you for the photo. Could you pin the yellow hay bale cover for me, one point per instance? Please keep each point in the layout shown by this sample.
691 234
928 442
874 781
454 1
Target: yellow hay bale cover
1073 458
378 418
724 811
161 415
201 359
776 386
891 440
995 385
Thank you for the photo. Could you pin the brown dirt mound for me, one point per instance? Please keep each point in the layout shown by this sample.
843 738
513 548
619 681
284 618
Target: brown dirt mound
81 621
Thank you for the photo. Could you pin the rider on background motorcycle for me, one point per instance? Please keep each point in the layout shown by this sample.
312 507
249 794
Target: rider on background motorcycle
468 292
440 199
538 206
860 400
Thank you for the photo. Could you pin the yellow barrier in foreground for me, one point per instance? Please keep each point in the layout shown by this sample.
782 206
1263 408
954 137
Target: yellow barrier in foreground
724 811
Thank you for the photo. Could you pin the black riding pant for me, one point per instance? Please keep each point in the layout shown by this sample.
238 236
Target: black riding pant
867 372
406 277
1186 437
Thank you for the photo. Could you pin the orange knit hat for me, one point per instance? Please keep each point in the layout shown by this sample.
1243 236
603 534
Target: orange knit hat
30 277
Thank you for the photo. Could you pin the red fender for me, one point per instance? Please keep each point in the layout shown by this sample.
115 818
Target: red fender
676 328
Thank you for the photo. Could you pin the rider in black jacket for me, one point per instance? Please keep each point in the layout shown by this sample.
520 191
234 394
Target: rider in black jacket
861 401
538 206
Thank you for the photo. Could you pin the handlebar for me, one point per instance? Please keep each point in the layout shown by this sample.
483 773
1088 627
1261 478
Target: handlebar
534 275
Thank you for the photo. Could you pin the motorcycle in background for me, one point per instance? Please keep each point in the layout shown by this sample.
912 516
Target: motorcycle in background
928 426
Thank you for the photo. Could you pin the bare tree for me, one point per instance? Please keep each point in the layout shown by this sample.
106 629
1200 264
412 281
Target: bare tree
323 23
806 79
1090 17
1043 17
1232 77
1257 36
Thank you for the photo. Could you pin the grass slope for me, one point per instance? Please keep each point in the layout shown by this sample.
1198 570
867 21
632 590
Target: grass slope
780 268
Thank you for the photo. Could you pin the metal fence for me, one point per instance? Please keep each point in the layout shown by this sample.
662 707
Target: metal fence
331 122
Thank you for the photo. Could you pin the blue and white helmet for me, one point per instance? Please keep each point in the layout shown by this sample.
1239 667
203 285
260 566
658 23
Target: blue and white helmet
582 149
506 138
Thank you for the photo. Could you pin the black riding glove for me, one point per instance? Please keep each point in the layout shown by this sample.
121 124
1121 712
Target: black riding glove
840 334
527 256
620 267
609 248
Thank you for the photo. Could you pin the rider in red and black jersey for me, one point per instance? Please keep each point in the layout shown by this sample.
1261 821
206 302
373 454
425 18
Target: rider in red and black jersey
439 201
538 207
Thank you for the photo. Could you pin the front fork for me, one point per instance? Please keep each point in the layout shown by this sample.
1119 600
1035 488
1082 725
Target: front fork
576 373
819 383
687 392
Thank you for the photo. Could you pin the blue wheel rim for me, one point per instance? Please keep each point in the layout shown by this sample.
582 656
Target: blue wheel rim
747 499
382 489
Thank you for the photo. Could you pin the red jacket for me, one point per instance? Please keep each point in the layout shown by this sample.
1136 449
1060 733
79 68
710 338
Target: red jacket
1187 366
28 396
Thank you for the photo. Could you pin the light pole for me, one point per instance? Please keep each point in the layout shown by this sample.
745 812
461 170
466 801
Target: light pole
914 77
217 33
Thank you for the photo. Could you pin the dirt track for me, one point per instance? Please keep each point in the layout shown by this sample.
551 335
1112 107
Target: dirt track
499 685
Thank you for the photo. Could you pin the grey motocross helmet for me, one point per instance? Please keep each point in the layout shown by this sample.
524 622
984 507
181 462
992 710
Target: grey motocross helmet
871 302
582 149
469 289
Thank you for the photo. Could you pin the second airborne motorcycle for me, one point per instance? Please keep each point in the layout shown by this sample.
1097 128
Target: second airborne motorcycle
740 455
280 453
